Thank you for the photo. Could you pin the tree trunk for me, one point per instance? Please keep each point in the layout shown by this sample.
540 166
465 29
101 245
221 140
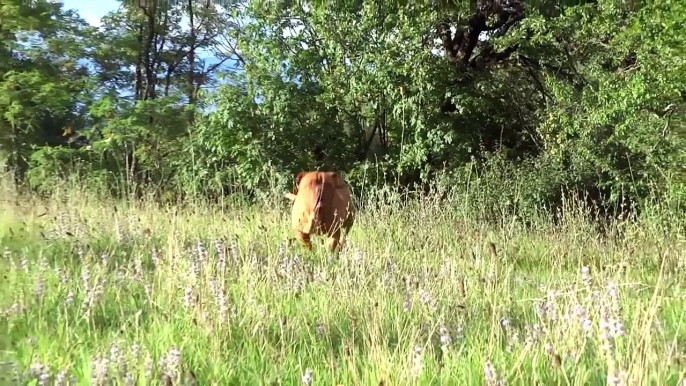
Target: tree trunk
191 61
150 76
139 64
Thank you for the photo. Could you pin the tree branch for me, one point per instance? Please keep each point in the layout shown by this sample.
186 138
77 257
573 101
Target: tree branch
488 55
462 45
575 79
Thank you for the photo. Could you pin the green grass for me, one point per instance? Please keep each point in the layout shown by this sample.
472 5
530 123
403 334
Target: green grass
143 287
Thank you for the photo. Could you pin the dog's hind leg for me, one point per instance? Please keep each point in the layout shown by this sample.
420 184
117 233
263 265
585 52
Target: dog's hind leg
345 231
334 241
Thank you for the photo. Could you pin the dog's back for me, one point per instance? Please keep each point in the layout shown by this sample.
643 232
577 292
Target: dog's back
322 204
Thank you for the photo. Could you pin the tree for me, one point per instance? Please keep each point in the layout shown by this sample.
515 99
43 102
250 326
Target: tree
44 89
539 100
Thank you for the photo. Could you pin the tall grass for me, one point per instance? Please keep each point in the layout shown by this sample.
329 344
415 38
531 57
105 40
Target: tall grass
112 292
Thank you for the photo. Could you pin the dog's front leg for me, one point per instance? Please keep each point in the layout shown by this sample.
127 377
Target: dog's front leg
304 239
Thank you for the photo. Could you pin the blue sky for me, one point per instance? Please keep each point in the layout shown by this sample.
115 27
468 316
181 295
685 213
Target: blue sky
92 10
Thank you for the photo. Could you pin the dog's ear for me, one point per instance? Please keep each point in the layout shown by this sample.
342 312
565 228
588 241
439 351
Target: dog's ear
298 179
336 179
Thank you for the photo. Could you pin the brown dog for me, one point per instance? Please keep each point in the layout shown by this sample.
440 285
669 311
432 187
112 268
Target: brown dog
322 205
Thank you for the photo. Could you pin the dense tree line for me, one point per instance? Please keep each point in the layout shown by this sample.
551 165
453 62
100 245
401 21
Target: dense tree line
523 102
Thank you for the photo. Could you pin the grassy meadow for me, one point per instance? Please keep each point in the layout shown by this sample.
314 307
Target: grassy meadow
113 292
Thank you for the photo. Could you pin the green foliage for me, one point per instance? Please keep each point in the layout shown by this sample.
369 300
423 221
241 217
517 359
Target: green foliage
584 99
612 133
52 165
230 146
42 89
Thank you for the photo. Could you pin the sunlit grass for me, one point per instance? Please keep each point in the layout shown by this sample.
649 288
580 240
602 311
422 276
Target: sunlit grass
134 294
